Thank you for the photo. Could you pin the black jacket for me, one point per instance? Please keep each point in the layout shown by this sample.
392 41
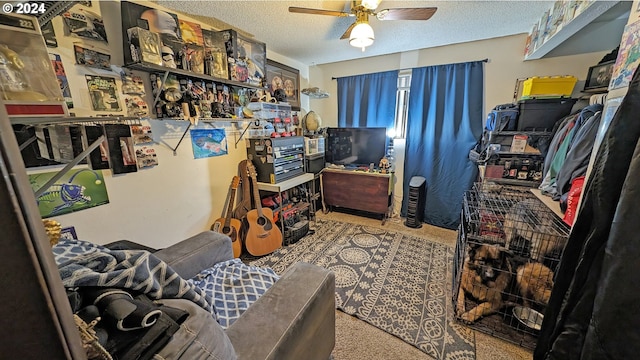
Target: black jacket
594 310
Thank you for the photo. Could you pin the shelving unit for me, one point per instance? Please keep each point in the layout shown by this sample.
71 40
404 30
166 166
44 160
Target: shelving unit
152 68
161 69
495 162
598 28
279 188
65 120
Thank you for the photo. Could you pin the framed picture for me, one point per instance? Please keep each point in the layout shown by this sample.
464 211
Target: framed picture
599 76
69 233
280 76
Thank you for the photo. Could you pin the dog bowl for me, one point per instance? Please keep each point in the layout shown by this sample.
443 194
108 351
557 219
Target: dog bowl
528 317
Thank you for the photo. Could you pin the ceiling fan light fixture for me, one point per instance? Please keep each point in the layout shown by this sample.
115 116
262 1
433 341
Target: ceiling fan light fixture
361 35
370 4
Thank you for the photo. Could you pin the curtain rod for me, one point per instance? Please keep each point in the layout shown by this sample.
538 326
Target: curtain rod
483 60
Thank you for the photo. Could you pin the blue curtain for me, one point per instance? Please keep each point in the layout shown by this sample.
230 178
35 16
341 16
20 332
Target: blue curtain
367 100
444 123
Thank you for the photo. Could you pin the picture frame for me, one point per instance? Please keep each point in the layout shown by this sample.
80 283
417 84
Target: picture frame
284 77
69 233
599 76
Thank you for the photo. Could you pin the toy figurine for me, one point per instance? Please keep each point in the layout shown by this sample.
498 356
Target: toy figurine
13 83
384 165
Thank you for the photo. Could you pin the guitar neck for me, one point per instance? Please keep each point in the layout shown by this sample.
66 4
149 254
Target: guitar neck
256 195
232 199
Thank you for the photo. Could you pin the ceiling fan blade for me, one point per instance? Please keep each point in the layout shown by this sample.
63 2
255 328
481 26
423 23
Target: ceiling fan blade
302 10
406 13
348 32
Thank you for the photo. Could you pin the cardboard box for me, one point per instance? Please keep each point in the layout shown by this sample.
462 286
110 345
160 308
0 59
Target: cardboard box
519 143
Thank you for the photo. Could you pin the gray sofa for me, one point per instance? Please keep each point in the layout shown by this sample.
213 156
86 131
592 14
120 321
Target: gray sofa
294 319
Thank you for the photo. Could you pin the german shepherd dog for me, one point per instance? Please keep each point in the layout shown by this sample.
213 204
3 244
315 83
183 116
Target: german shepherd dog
535 282
486 273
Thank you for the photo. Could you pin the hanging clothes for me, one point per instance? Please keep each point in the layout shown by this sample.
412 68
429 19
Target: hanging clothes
593 311
565 125
577 160
549 184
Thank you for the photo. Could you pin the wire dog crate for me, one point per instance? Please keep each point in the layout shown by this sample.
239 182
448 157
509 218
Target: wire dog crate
508 248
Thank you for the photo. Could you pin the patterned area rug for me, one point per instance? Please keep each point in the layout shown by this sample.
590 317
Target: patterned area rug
398 283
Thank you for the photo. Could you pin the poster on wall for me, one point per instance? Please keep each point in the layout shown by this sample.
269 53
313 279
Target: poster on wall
56 61
628 57
208 143
77 190
103 92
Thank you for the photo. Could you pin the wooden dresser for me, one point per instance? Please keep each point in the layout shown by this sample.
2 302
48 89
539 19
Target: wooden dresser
357 190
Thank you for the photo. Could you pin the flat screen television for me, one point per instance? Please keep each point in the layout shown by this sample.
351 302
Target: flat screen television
353 147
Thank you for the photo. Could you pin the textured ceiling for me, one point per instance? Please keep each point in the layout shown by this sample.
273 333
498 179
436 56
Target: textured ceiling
315 39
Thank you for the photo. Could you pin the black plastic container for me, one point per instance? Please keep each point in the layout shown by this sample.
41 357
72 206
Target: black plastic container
542 114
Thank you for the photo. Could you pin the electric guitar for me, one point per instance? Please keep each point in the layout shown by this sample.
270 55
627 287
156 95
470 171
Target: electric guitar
263 236
228 225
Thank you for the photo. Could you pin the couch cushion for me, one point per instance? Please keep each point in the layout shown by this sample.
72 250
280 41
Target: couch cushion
201 251
199 336
294 319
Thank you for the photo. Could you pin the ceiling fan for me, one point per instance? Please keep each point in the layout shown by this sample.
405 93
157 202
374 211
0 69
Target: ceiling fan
360 33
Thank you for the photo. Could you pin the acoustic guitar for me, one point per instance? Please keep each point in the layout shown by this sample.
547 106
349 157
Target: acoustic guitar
228 225
263 236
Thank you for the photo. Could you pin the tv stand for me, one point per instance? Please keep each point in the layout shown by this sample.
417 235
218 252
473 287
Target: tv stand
356 190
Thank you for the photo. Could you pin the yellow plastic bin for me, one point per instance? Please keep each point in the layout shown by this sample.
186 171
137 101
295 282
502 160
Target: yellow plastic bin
548 86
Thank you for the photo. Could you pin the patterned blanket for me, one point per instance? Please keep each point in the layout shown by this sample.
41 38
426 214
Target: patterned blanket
235 286
225 290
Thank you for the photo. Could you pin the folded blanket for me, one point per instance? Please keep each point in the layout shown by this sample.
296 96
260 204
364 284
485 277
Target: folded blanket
82 263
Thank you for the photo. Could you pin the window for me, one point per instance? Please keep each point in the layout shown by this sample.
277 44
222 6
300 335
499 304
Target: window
402 103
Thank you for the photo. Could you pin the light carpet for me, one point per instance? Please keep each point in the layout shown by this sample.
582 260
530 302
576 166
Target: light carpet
396 282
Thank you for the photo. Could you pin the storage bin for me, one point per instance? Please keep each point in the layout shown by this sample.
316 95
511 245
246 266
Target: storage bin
548 86
542 114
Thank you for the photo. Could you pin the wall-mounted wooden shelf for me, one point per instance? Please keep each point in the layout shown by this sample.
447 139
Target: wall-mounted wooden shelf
598 28
161 69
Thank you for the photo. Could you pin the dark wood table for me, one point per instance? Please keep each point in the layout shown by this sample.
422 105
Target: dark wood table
357 190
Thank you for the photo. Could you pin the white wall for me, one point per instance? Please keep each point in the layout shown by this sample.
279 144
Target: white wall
505 65
165 204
